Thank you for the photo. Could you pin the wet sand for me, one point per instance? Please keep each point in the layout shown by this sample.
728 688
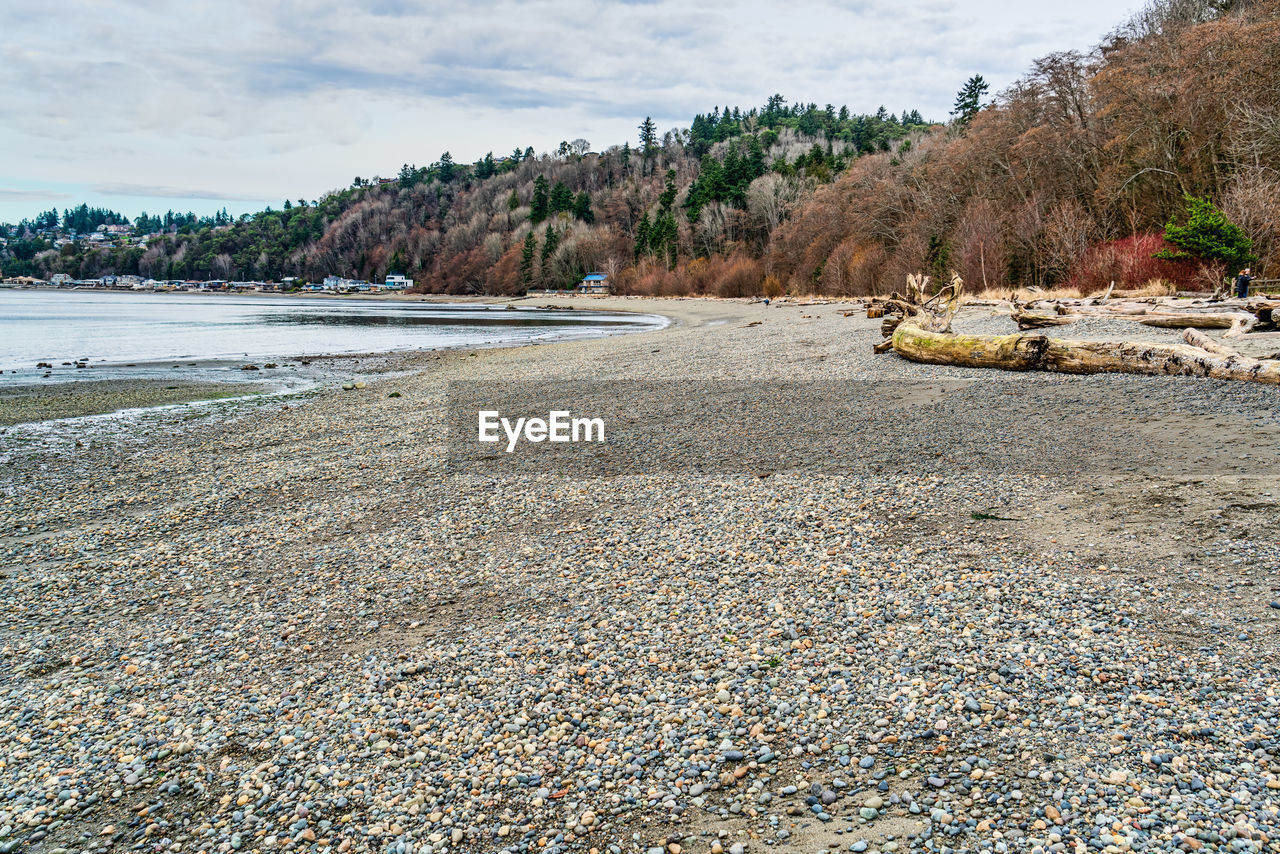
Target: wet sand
28 403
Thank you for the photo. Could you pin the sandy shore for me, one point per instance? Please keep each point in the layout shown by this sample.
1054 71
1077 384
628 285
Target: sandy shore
805 599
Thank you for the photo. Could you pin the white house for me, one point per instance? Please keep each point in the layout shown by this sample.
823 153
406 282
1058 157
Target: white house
397 282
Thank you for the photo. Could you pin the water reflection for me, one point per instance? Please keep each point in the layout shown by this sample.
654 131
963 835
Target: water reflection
457 319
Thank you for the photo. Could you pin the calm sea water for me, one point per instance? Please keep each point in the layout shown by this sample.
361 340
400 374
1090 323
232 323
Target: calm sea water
125 334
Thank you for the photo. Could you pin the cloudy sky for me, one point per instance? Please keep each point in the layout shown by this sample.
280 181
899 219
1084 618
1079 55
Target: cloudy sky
148 104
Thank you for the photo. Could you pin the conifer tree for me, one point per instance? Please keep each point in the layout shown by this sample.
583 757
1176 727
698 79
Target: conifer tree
648 139
582 207
969 99
527 255
642 235
445 168
1209 236
561 198
540 204
550 240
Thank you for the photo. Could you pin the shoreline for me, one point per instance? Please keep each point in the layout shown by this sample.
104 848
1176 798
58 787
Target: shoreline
32 404
944 606
79 394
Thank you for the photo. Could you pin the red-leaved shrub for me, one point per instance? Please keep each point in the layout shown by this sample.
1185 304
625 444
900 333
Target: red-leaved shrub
1131 263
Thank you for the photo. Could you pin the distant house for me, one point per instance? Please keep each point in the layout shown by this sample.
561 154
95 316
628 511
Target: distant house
594 283
60 280
397 282
339 284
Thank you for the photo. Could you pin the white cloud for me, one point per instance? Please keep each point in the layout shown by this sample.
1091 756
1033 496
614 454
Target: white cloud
249 100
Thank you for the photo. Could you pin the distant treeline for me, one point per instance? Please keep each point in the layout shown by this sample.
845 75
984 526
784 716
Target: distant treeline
1068 177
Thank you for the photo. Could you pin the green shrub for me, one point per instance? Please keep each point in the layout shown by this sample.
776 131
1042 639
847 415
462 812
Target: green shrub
1208 236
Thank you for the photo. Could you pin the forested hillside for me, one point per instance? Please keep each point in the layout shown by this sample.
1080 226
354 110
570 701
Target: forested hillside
504 224
1066 178
1071 176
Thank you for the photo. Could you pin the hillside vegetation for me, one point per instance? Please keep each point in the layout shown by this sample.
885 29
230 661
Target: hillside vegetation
1066 178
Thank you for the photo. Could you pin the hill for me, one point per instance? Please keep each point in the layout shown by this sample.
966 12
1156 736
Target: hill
1067 178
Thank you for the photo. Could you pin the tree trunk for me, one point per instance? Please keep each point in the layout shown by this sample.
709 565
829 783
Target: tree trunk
1030 352
1238 322
1030 320
924 335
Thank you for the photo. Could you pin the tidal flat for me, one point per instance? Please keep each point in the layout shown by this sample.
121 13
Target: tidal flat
30 403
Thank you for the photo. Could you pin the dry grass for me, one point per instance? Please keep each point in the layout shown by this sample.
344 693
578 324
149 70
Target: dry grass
1024 294
1153 288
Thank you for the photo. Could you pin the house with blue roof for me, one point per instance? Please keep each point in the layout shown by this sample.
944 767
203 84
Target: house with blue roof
594 283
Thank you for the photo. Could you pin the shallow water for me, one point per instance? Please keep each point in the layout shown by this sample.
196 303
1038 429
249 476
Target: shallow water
129 335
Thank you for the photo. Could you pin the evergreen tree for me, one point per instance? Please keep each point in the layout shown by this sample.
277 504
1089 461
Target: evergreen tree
582 207
642 235
668 196
561 198
540 205
664 238
1209 236
648 138
445 168
526 260
513 201
550 240
969 99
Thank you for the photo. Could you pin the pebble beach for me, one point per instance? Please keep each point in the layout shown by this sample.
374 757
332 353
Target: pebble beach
977 611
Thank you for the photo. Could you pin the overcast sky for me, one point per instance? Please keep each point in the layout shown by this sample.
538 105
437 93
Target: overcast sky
147 104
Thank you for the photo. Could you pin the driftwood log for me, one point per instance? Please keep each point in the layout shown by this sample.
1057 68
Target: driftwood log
1235 322
924 335
1238 316
1033 320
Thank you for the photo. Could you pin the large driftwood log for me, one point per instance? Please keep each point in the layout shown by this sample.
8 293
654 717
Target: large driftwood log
1236 322
1196 338
925 335
1031 352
